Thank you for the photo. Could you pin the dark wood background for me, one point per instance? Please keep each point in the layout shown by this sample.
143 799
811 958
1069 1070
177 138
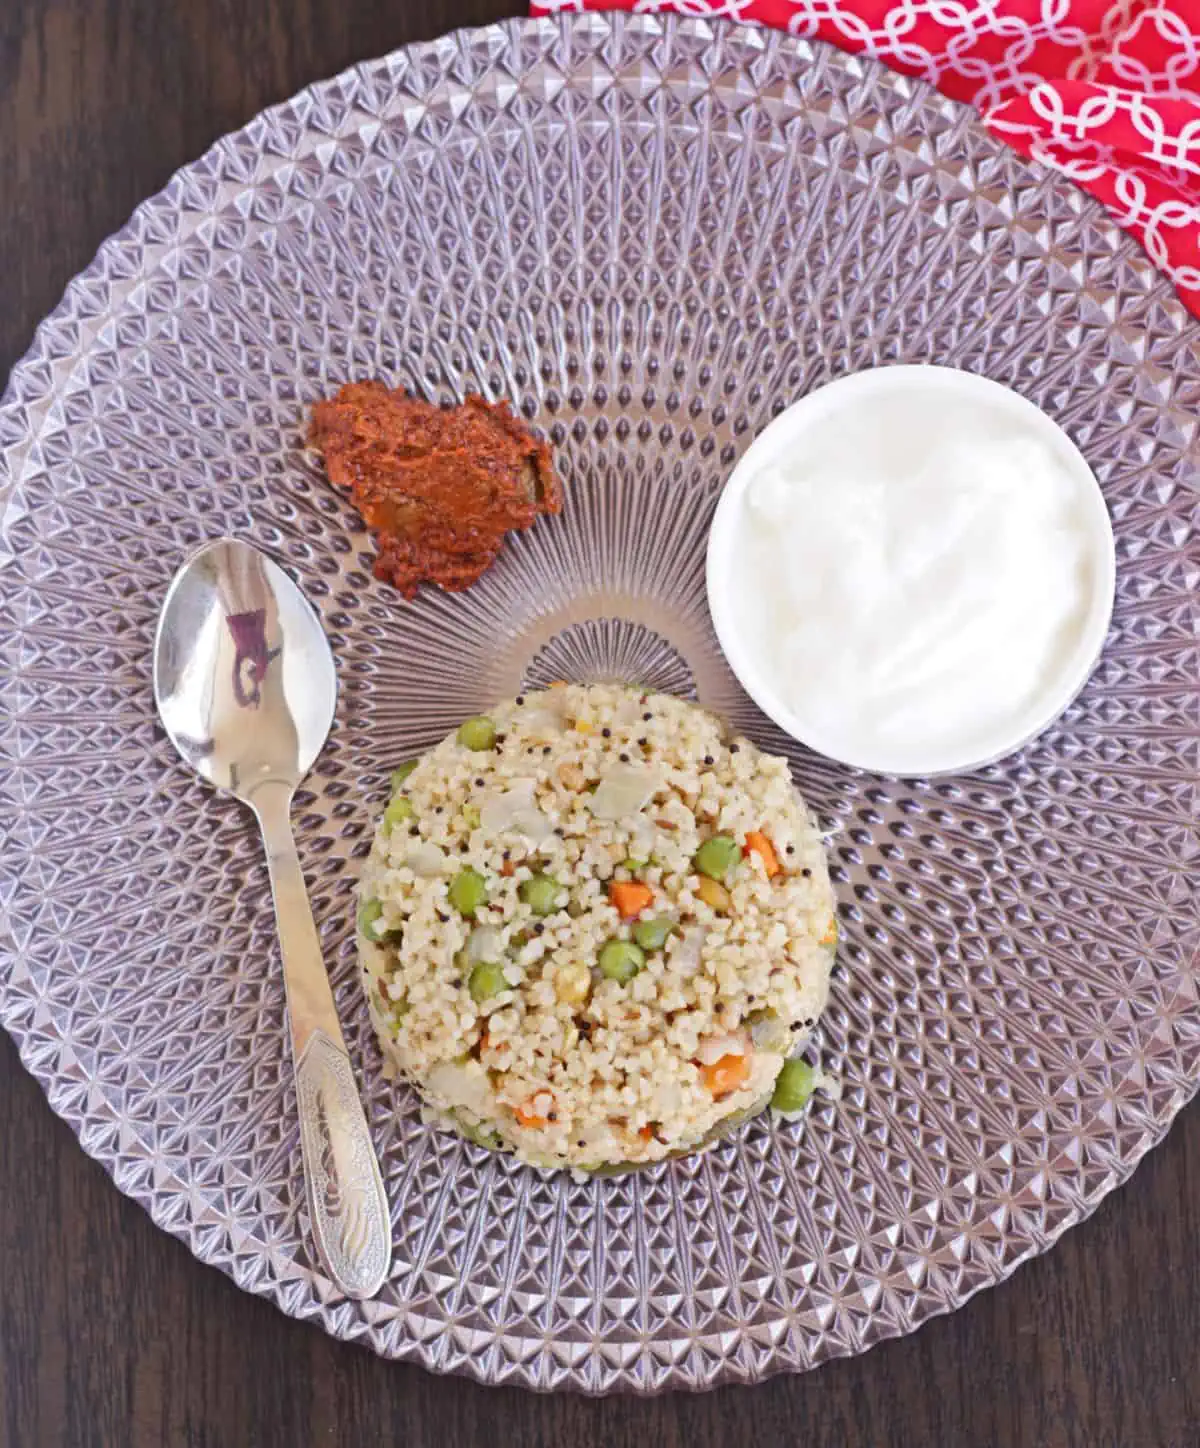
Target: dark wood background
110 1334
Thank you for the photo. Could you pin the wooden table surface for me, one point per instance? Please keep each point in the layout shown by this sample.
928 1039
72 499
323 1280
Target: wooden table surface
110 1334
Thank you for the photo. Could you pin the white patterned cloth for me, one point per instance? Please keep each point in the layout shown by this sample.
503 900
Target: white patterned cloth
1105 91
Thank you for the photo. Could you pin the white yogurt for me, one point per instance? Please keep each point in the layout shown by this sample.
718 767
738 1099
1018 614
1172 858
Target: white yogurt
912 570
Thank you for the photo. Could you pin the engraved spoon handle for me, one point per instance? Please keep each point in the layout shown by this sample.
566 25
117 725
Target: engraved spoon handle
346 1199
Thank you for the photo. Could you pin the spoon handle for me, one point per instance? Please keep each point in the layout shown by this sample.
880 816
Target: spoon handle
346 1199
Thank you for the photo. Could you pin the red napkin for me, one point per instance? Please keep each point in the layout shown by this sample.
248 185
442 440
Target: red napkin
1105 91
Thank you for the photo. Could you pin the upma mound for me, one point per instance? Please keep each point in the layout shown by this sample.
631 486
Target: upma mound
593 928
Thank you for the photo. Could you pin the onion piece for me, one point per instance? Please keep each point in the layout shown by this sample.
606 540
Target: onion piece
624 789
464 1084
769 1034
685 957
426 860
642 837
484 943
514 811
713 1048
543 715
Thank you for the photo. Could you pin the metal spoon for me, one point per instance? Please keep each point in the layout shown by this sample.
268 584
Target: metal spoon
245 684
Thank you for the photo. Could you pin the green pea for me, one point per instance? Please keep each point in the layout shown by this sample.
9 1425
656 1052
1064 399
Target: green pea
471 816
621 960
793 1086
477 733
633 866
654 934
370 920
468 891
487 980
401 774
717 856
541 894
397 812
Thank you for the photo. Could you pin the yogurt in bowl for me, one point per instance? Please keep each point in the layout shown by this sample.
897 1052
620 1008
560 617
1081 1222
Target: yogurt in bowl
911 570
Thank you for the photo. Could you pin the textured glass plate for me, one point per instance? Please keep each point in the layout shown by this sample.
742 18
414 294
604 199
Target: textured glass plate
652 235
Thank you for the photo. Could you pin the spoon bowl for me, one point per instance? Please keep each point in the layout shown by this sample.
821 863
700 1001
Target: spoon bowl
231 715
245 685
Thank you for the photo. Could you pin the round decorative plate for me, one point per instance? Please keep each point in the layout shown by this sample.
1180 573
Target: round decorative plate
651 235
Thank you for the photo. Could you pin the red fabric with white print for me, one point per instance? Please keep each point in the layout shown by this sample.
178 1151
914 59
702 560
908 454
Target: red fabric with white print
1105 91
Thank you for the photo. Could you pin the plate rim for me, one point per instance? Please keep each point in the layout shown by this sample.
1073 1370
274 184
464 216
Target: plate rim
411 1348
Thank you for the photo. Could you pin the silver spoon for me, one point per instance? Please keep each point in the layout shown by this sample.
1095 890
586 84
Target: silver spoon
245 685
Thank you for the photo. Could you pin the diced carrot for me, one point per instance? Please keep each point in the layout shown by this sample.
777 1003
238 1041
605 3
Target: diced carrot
630 897
726 1075
507 868
528 1113
559 684
831 932
758 844
646 1133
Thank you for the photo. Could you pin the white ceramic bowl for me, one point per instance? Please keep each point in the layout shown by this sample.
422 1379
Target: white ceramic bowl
857 395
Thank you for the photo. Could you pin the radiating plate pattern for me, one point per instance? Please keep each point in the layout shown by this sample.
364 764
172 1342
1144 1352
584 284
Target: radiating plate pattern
651 235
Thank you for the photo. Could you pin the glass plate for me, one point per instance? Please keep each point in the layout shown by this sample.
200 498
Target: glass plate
652 235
